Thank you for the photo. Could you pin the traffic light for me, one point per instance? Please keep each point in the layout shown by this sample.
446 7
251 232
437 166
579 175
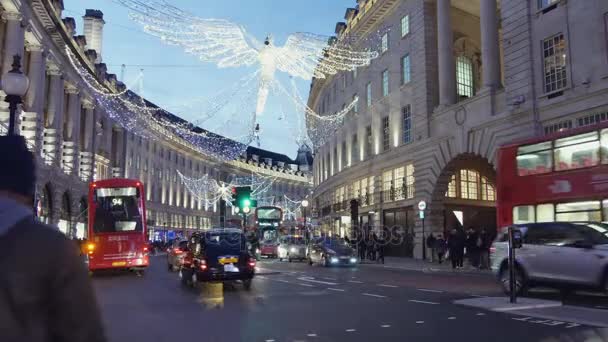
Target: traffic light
242 198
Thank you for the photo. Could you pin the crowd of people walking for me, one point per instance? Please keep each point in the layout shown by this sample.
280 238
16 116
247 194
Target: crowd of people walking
472 244
369 246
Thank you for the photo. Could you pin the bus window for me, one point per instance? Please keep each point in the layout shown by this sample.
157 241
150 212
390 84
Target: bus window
604 145
117 210
523 214
579 211
545 213
577 151
534 159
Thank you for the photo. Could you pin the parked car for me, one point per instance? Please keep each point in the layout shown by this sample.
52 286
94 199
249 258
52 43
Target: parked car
219 254
292 247
331 251
564 255
176 253
269 248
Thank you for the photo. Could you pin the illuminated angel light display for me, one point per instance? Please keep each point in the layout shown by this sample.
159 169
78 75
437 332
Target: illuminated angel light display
226 44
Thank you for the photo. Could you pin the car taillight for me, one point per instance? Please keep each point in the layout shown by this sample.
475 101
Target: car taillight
90 248
251 263
203 265
177 251
145 249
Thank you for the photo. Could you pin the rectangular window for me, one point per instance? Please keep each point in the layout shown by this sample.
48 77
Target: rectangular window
356 190
356 103
368 141
405 25
407 124
409 180
579 211
387 186
577 151
370 189
546 3
400 191
534 159
344 155
405 69
558 127
452 187
368 93
545 213
385 83
554 63
364 192
487 190
464 77
354 149
386 134
523 214
384 46
590 120
468 184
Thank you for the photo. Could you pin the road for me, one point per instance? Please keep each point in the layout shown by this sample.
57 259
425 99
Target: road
298 302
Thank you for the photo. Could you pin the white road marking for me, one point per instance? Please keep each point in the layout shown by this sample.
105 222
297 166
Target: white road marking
261 277
419 322
373 295
307 285
312 280
422 302
269 340
480 314
355 282
283 281
329 278
429 290
452 317
351 330
386 285
385 326
333 289
312 335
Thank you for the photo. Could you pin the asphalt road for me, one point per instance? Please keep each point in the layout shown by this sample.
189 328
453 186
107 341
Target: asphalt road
298 302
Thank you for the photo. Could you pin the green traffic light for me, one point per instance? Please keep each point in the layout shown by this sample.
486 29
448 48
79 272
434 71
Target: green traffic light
246 203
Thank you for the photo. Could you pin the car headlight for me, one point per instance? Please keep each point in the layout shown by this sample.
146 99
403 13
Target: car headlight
334 260
353 260
293 250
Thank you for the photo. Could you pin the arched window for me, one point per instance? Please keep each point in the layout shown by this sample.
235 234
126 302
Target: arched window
470 185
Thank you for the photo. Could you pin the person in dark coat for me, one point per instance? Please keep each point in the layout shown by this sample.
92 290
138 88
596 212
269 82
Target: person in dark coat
430 243
485 242
45 294
456 248
440 247
472 248
362 245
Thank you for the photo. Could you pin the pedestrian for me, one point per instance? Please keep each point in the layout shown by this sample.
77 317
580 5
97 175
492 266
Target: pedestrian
430 243
471 247
380 243
440 247
456 248
371 248
485 242
45 291
362 245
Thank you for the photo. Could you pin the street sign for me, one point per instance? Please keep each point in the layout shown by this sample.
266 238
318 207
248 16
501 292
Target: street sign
422 205
421 212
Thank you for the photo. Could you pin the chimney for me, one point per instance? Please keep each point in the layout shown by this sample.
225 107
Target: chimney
93 31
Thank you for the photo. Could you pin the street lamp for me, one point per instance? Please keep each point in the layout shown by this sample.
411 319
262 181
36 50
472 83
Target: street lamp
304 206
15 85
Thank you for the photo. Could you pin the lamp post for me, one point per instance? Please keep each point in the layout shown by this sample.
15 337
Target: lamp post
15 85
304 206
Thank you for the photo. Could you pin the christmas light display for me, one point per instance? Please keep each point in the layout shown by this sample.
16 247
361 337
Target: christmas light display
304 55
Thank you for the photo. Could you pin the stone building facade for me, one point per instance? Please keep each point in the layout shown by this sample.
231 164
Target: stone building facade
455 80
75 141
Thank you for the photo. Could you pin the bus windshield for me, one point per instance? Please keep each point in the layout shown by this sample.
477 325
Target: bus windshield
116 210
269 214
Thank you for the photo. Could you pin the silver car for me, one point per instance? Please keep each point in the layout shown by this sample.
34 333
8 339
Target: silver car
292 248
565 255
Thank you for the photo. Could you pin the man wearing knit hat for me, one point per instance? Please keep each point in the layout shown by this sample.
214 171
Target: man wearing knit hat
45 292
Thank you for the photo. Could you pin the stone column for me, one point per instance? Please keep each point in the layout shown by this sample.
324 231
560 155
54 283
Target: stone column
72 131
53 126
490 57
445 50
87 149
33 114
14 39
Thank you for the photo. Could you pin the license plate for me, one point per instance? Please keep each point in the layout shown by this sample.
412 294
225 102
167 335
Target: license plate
230 268
119 263
225 261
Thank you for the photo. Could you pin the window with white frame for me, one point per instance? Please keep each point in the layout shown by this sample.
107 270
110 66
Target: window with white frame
469 184
384 46
405 25
399 190
386 133
405 70
464 77
356 104
554 63
387 186
407 124
385 83
356 190
368 93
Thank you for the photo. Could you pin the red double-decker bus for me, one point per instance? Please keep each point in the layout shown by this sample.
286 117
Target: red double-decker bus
117 225
559 177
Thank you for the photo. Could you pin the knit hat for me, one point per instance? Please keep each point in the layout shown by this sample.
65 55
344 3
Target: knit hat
17 167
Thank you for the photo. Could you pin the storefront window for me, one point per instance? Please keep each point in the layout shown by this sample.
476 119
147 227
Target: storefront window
534 159
577 151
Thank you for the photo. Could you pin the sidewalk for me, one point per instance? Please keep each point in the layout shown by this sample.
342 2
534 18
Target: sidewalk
410 264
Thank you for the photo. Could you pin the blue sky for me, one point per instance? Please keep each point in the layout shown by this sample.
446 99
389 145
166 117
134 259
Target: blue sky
184 89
